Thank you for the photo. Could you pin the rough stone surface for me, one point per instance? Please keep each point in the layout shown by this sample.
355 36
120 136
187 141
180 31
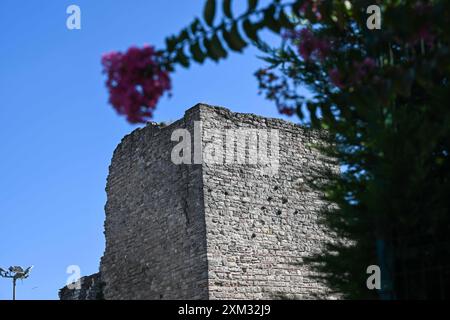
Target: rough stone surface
217 230
259 227
90 288
155 224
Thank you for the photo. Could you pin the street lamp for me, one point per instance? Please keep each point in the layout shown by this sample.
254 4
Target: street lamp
15 273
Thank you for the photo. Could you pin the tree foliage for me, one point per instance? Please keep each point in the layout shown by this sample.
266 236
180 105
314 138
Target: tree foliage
383 95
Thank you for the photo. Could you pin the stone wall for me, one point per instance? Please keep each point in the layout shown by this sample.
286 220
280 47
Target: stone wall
89 288
214 230
155 226
261 224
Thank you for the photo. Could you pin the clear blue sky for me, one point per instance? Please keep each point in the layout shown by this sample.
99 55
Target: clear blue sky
58 133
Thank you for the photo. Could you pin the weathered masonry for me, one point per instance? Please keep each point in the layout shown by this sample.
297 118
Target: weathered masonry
234 227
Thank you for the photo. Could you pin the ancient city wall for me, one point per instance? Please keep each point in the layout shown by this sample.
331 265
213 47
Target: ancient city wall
87 288
261 223
231 225
155 226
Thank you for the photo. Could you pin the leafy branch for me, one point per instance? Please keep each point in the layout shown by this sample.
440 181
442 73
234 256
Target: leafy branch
203 39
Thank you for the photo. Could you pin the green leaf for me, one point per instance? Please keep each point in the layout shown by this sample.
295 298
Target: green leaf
196 26
234 39
197 53
227 9
252 4
214 48
209 12
284 20
209 52
171 43
296 7
182 58
312 108
250 30
272 61
217 47
270 21
184 35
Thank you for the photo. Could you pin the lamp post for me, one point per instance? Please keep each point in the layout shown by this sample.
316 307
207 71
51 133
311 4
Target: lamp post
15 273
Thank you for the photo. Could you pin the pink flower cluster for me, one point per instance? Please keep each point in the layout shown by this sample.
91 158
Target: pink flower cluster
336 78
360 72
422 34
423 28
288 111
313 5
362 69
309 46
136 81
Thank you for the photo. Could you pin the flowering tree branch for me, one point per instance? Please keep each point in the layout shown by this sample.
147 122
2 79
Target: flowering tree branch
382 94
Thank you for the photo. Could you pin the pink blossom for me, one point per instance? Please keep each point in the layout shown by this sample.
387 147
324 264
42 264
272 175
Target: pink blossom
422 11
135 82
289 111
314 4
424 34
362 69
336 78
310 46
